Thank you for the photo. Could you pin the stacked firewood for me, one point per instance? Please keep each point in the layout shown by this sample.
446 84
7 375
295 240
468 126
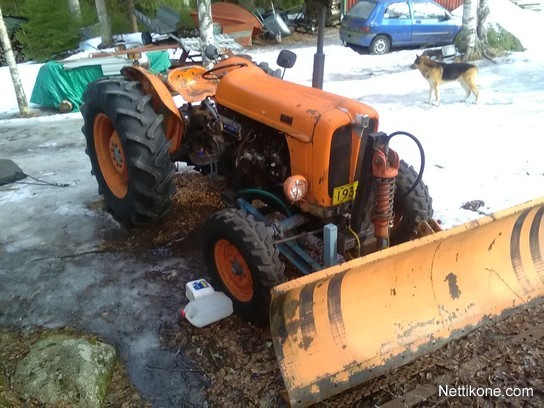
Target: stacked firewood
17 50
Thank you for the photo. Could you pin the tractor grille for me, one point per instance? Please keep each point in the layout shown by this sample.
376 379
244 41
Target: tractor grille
339 161
339 164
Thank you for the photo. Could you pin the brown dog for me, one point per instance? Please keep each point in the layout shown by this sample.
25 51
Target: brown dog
437 73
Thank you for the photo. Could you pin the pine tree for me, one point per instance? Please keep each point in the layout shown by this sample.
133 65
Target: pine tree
50 30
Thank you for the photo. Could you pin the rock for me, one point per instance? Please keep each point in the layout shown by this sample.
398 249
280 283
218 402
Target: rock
66 370
65 106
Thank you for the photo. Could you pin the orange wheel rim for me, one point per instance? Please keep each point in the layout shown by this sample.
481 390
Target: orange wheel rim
110 155
233 270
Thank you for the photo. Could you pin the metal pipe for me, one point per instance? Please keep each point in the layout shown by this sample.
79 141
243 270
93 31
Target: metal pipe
319 57
330 235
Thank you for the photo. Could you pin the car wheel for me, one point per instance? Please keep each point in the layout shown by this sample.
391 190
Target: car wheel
380 45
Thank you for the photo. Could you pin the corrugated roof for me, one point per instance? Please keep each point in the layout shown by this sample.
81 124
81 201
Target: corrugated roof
110 65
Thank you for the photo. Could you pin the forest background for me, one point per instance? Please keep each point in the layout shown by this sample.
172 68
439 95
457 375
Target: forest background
51 26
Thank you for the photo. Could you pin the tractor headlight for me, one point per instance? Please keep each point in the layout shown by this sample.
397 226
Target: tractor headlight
295 188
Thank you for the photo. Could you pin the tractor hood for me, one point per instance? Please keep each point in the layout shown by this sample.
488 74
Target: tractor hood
297 110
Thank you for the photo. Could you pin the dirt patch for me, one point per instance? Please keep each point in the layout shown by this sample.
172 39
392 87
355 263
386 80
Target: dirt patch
196 198
239 361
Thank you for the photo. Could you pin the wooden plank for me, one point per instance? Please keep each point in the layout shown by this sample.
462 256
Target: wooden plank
134 50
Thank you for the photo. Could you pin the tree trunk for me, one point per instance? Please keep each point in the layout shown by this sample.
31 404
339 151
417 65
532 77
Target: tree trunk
74 8
104 21
131 16
468 32
10 59
205 24
483 13
313 9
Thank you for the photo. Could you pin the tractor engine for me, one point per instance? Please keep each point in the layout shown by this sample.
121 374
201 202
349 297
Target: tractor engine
257 156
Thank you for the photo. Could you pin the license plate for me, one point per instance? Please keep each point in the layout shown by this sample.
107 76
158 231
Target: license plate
344 193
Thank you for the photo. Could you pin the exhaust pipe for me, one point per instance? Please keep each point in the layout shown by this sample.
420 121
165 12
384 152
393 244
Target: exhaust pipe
319 56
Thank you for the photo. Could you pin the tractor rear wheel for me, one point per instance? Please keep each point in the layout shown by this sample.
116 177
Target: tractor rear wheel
409 209
243 261
128 151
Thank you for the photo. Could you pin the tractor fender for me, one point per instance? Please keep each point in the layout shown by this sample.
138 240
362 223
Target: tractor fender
163 103
342 326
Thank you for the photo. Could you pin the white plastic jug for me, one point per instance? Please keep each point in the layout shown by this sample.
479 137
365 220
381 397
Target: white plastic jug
197 288
207 309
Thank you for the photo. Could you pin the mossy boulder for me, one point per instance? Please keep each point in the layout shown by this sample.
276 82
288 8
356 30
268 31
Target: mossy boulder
63 370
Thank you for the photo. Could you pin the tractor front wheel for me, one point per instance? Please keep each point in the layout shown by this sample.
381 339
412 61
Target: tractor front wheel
410 209
128 150
243 261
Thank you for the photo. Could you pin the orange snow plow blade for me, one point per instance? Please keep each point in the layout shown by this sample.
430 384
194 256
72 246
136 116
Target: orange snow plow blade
337 328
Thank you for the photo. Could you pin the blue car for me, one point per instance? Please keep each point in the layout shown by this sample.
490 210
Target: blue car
380 25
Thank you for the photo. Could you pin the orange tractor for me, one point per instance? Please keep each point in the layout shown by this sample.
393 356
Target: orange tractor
295 158
305 166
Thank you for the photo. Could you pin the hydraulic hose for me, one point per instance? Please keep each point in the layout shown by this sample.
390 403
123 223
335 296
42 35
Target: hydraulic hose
265 194
421 153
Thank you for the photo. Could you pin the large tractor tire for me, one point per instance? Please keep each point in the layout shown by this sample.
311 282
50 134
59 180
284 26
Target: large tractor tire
409 209
128 151
243 261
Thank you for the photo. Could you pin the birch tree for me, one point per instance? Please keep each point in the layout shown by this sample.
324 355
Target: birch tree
483 13
473 36
470 23
204 9
104 22
10 59
131 16
73 5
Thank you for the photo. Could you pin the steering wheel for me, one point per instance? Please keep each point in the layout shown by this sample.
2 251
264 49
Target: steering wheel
208 73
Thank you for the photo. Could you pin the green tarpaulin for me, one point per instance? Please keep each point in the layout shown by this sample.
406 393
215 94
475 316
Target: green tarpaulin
159 61
55 84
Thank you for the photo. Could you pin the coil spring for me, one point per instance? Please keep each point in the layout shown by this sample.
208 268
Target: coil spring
383 199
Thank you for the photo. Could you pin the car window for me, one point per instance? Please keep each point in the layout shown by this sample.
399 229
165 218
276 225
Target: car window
397 10
428 10
362 9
